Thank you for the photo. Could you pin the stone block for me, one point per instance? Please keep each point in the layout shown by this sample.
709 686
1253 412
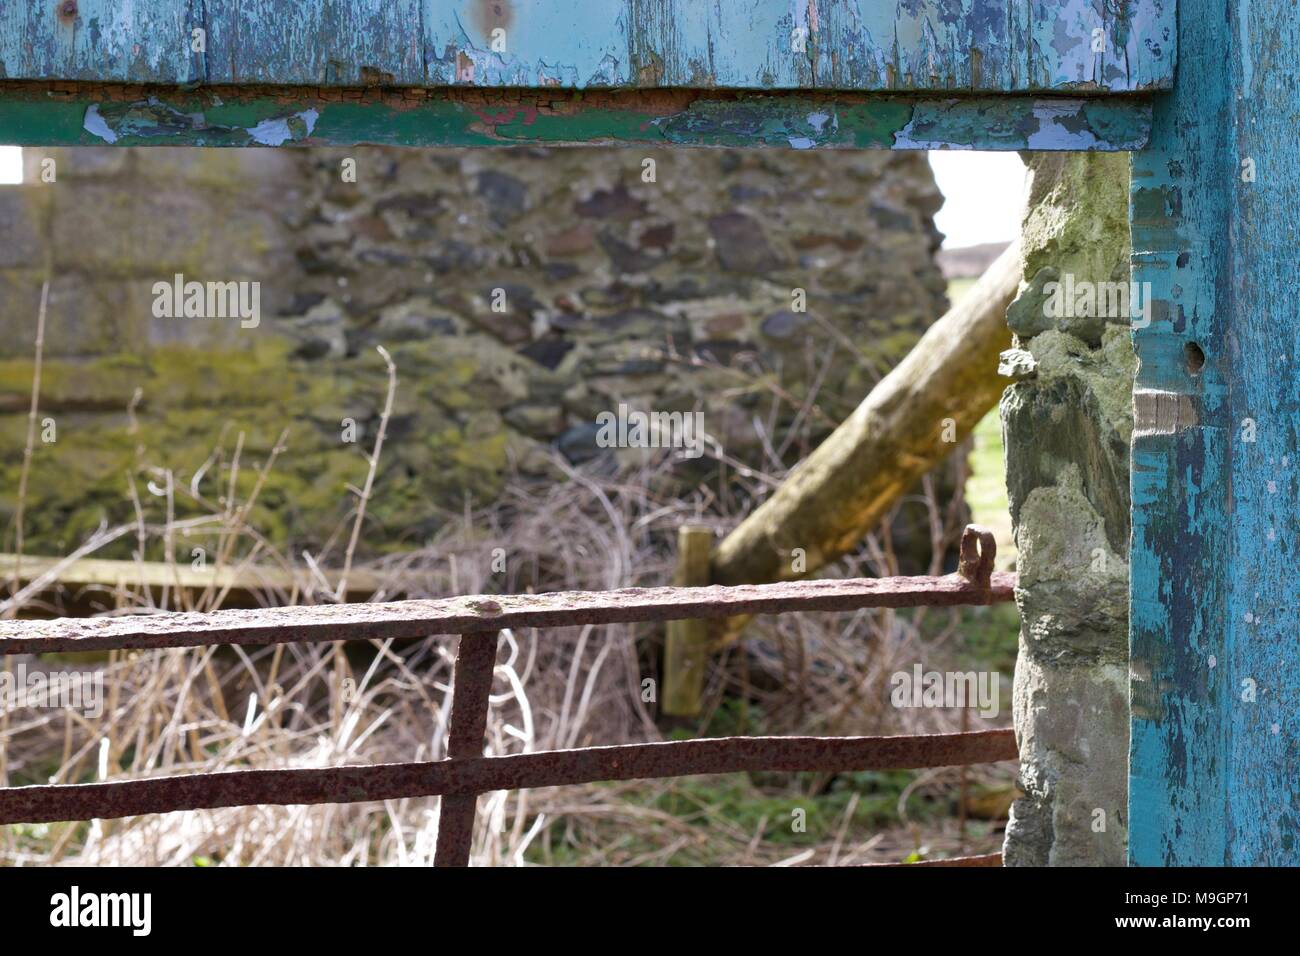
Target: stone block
21 244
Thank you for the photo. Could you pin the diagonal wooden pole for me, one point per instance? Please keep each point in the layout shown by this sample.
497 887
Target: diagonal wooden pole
910 422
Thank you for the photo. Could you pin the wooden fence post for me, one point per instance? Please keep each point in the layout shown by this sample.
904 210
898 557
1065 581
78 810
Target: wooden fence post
686 650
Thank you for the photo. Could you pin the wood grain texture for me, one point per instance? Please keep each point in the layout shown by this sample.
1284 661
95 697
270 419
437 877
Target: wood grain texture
885 45
72 114
1214 765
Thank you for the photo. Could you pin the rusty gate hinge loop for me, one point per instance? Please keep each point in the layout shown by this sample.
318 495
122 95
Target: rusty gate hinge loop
978 549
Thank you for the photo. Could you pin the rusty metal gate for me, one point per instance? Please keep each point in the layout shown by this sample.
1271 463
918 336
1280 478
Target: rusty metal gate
465 773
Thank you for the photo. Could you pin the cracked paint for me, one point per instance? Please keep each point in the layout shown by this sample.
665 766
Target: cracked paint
1056 124
867 45
153 119
96 125
277 132
1213 764
283 116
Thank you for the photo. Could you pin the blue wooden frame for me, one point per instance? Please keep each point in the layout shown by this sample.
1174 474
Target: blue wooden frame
897 46
897 74
1215 693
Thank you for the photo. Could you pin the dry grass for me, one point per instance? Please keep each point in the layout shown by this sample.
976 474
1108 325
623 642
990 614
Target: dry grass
209 709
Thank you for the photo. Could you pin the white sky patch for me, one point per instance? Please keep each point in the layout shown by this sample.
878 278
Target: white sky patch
11 164
984 195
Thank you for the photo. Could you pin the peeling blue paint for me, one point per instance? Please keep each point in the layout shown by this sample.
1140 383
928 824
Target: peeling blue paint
882 45
1214 767
1056 124
95 124
277 132
155 119
30 115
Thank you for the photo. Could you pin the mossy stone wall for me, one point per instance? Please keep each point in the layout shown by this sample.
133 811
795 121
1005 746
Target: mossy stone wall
671 294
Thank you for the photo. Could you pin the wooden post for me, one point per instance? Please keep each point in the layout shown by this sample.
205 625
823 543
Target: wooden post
1214 770
686 650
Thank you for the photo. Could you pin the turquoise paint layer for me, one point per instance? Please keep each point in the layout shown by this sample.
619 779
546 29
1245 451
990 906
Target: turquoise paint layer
882 45
102 39
1264 607
1214 764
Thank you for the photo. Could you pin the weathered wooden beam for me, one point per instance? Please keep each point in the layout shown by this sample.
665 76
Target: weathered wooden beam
115 574
907 425
79 114
1214 769
982 46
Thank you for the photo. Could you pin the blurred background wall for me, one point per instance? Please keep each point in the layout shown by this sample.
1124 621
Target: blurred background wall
674 294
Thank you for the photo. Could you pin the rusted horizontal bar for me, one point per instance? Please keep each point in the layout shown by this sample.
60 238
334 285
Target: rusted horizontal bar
404 619
47 804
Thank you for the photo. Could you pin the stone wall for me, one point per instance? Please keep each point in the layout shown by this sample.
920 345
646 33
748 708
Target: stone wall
673 294
1067 424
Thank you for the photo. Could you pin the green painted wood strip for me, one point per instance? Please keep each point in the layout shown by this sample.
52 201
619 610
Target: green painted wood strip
896 46
32 115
